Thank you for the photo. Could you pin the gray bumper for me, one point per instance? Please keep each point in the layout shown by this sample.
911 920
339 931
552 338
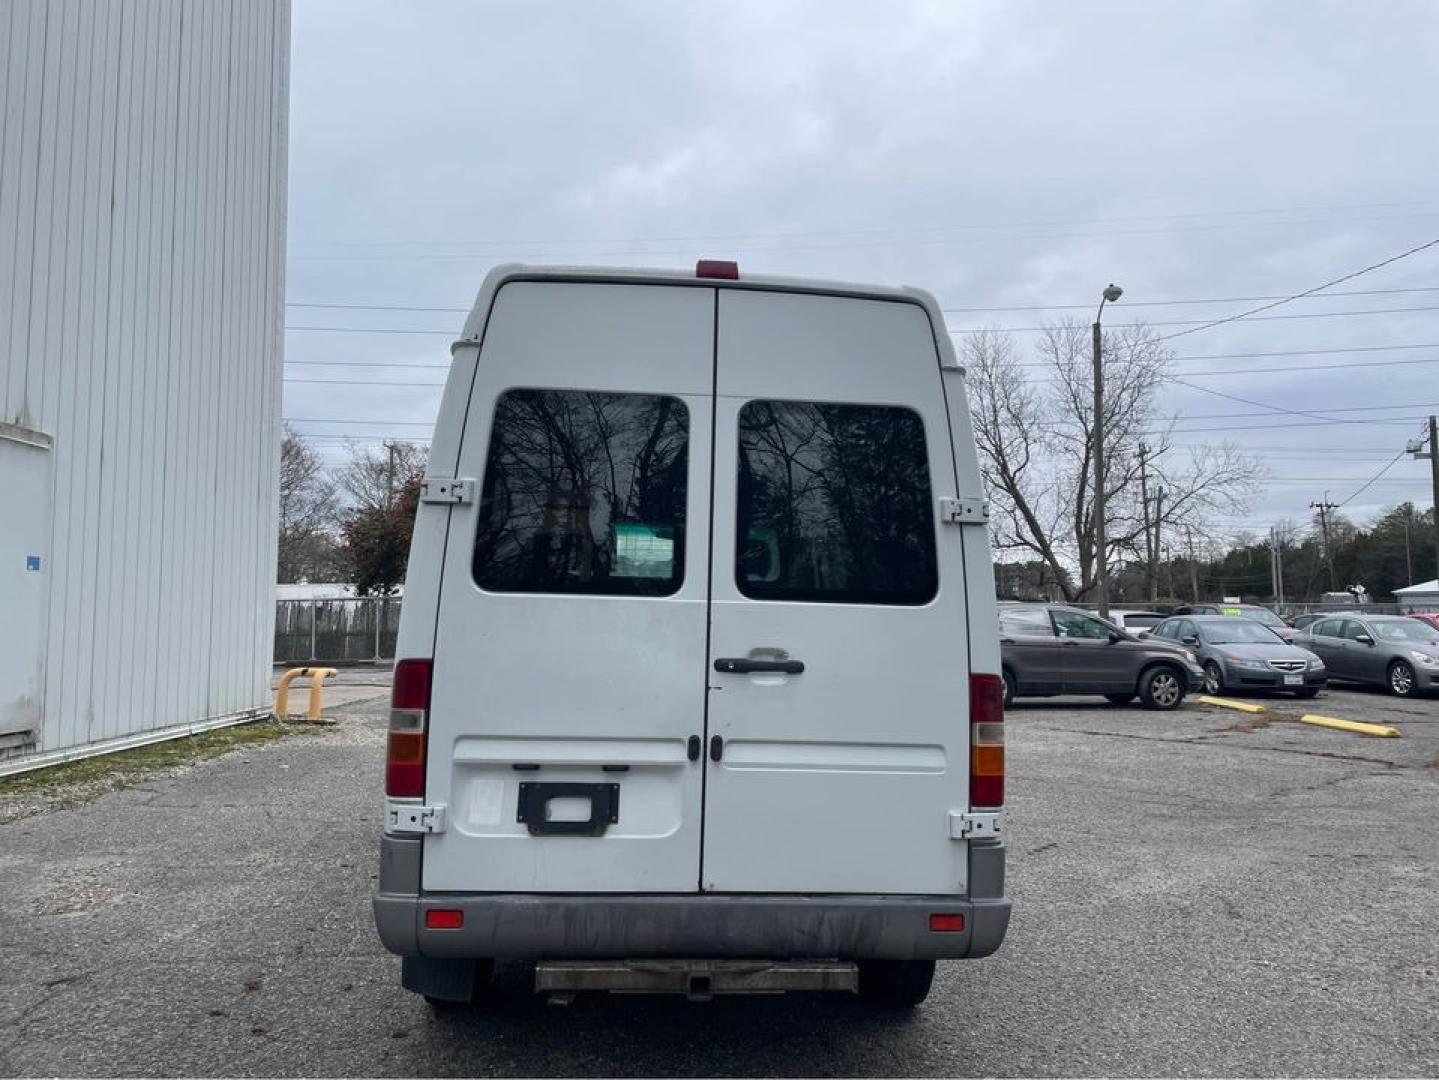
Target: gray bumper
702 925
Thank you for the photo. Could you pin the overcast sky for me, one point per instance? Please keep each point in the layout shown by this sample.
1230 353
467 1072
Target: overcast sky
997 154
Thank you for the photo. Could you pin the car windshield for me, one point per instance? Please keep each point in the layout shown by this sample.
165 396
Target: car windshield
1415 632
1237 632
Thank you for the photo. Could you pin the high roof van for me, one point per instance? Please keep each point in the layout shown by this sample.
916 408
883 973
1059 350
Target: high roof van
698 685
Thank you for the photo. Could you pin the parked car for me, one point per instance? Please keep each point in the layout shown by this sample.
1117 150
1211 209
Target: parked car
1050 649
1241 654
1393 651
1244 611
698 687
1302 622
1432 618
1135 622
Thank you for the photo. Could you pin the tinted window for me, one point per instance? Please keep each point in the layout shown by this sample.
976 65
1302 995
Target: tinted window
1026 622
1327 628
584 493
1140 622
1167 629
1238 632
1353 628
834 505
1073 624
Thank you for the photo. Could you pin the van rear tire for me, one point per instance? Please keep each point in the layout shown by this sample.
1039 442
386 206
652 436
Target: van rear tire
895 984
1009 688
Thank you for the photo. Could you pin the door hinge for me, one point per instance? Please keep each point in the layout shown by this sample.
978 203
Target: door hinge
963 511
448 491
988 825
412 819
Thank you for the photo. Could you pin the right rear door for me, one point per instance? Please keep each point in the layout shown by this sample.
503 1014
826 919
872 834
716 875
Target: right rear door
832 446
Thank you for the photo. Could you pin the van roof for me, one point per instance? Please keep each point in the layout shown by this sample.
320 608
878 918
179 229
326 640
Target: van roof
500 275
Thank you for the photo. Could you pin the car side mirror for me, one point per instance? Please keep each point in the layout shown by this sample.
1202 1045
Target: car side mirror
1364 639
1190 640
1115 636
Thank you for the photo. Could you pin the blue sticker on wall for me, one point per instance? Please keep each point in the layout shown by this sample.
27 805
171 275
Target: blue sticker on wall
32 562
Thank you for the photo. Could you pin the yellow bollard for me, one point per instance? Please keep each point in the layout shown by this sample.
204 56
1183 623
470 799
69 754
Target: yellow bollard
1383 731
317 677
1225 703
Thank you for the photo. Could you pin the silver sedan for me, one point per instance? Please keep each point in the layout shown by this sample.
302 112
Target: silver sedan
1241 654
1393 651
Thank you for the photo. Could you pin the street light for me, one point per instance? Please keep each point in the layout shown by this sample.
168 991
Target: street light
1110 295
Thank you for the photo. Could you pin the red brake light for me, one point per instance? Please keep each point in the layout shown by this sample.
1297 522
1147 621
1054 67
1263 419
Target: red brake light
986 752
409 721
723 269
948 924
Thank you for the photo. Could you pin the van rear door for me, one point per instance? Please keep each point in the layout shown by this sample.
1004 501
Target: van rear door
832 448
568 689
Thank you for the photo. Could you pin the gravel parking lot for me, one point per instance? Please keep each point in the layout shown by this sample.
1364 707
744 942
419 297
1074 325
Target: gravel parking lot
1196 893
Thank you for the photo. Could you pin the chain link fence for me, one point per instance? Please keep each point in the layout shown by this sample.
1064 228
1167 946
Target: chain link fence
360 631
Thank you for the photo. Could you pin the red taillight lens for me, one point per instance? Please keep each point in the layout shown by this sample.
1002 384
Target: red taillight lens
946 924
722 269
444 919
409 716
986 751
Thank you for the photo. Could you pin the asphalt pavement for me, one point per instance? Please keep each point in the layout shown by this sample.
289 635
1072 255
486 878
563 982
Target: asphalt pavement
1196 893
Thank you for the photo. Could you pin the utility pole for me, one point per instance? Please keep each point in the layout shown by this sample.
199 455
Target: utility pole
1324 508
1432 456
1144 507
390 477
1274 563
1434 476
1193 565
1101 542
1408 552
1154 570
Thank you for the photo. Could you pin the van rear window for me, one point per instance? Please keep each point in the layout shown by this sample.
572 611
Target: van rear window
584 493
834 504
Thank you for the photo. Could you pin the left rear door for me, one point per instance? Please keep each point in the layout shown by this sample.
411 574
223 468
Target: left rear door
570 640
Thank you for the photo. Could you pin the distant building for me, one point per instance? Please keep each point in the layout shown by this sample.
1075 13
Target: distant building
142 247
1421 597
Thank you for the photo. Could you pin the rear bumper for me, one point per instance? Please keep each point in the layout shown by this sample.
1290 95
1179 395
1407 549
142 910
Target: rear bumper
779 927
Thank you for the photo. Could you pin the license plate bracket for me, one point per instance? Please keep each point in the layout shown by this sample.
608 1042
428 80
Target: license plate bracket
535 799
1294 680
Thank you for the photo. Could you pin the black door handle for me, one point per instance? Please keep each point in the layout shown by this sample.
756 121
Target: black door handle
743 665
693 749
716 747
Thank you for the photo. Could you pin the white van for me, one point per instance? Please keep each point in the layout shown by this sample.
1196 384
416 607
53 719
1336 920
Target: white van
698 687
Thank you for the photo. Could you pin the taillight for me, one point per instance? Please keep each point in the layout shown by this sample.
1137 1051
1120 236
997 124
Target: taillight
986 740
409 715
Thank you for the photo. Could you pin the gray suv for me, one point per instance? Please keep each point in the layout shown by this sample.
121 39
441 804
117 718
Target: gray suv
1050 649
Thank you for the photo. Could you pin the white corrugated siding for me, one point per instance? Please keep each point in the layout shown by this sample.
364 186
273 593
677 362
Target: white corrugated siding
142 226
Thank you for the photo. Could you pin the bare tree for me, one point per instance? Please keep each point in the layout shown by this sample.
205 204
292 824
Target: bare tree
372 479
308 512
1036 444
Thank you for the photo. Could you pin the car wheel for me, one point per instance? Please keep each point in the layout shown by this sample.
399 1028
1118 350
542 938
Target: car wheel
1119 699
1307 692
1401 679
1009 688
1213 678
895 984
1161 689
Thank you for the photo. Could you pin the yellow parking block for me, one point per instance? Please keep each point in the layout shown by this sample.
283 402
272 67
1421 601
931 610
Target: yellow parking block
1382 731
1225 703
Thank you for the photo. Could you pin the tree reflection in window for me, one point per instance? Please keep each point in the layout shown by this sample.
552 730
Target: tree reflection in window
834 504
584 492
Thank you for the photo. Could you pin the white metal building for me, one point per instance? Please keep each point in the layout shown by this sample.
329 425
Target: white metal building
142 226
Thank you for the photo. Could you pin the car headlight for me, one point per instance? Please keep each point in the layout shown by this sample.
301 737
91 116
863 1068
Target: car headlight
1425 659
1316 664
1240 662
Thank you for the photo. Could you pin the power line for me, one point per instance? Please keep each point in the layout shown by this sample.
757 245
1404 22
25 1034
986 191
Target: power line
880 232
946 310
1345 409
1204 325
1306 292
1297 424
1373 479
